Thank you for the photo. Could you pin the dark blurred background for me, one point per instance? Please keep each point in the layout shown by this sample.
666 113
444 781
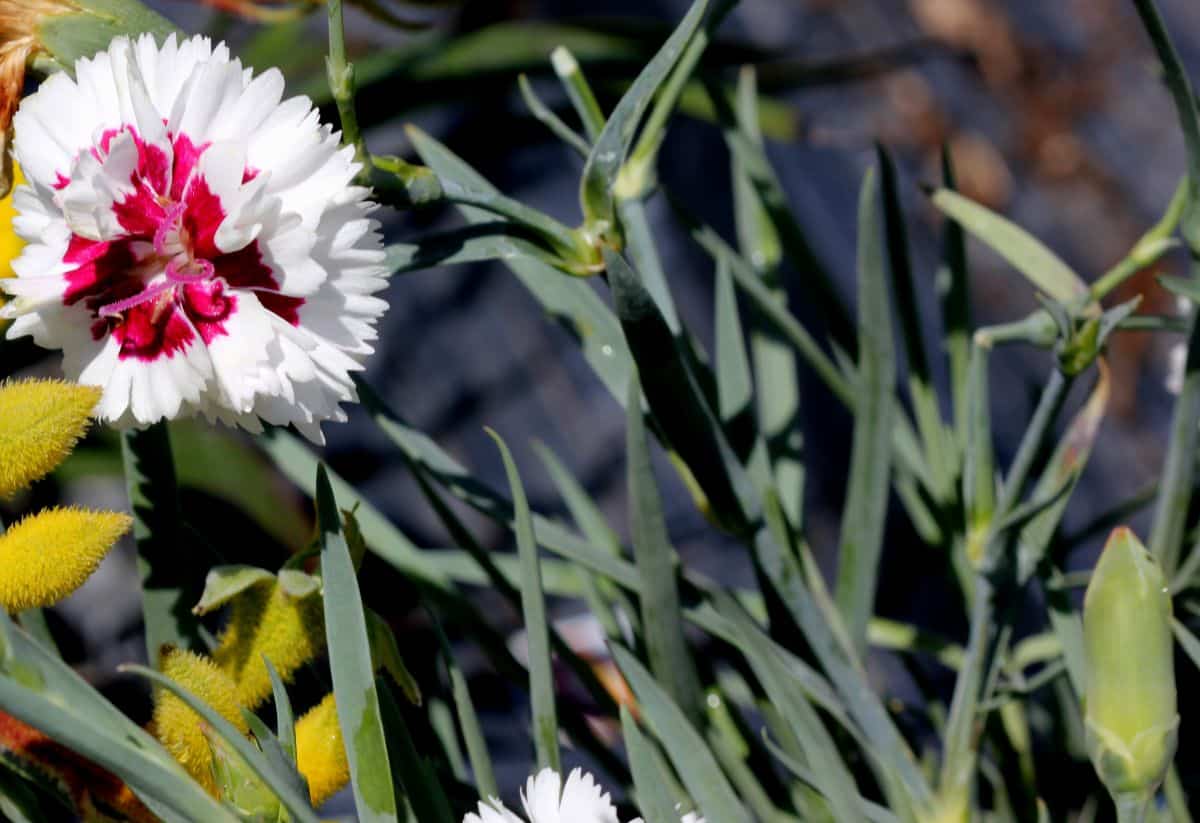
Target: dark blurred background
1055 117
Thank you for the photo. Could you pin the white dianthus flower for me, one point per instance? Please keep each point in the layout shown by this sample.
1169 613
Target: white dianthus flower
194 243
547 800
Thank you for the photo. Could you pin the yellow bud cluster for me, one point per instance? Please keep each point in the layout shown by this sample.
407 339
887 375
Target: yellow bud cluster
179 728
40 422
265 620
320 752
48 555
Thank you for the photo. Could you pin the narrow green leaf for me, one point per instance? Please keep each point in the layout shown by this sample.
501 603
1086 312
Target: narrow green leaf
168 586
450 474
688 752
583 508
295 802
1178 474
953 285
939 454
649 781
830 774
657 564
861 542
1028 255
1176 77
34 622
385 654
74 714
735 392
285 718
778 392
546 116
640 245
352 668
537 627
580 93
612 145
979 463
429 803
1064 468
468 720
281 762
752 159
676 402
474 243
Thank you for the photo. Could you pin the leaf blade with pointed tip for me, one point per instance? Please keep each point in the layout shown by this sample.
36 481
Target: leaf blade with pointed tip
662 621
537 629
688 751
352 668
1028 255
861 544
612 145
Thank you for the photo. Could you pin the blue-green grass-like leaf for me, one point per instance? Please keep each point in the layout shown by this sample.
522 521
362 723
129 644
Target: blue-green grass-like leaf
612 145
687 749
861 544
353 671
537 627
287 792
662 622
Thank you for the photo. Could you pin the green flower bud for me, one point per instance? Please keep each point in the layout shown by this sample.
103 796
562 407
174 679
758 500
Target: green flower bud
1131 712
238 785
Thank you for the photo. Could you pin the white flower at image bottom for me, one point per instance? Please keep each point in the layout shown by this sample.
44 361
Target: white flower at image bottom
547 800
194 243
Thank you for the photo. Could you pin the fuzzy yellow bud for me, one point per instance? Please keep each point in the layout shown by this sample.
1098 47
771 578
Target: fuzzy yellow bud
179 728
265 620
40 422
1131 710
320 753
49 555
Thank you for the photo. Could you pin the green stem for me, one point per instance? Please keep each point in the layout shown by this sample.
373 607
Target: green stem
1048 407
983 644
1170 513
1131 808
341 85
1152 245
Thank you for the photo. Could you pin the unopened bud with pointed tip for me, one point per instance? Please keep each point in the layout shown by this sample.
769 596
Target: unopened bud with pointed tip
1131 707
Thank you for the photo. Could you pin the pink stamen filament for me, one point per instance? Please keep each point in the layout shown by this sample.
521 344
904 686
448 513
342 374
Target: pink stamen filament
169 222
118 307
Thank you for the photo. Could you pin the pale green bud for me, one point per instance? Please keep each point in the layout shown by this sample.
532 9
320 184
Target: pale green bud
1131 711
238 785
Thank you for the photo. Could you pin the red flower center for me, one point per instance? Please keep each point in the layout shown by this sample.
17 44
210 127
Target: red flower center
164 281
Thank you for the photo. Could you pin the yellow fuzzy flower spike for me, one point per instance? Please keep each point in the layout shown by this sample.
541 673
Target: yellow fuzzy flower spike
320 754
179 728
40 422
48 555
266 620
